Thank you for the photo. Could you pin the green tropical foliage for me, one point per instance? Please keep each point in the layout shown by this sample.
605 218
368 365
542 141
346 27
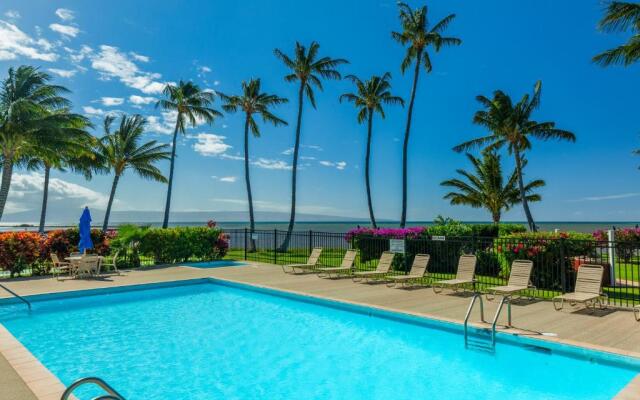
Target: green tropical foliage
486 188
511 125
252 101
370 98
621 17
308 69
191 106
121 150
417 36
31 113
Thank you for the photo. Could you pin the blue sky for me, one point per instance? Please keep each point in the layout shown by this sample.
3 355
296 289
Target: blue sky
117 57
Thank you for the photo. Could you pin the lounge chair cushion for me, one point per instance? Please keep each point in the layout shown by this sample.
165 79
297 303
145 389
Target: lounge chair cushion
301 266
406 277
370 273
454 282
507 289
578 297
334 269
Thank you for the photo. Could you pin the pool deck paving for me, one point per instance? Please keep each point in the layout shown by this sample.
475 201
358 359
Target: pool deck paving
611 330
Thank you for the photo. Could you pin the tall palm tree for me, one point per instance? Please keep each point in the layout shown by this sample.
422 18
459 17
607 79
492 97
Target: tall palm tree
485 187
27 105
121 150
252 101
192 106
417 36
69 147
619 17
371 95
306 68
511 125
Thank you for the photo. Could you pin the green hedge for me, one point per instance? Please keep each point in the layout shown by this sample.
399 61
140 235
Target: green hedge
182 244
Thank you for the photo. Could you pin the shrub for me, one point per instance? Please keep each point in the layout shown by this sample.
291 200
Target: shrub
65 241
627 241
18 250
372 242
182 243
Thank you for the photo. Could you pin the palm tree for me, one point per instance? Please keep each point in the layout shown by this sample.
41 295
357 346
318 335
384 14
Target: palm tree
620 17
308 69
27 105
252 101
417 36
69 146
191 105
121 150
370 97
637 152
511 125
485 187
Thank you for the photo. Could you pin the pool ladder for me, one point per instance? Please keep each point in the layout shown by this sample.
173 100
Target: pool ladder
482 345
16 295
112 394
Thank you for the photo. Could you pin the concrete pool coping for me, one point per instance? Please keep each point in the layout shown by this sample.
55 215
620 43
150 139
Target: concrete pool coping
47 386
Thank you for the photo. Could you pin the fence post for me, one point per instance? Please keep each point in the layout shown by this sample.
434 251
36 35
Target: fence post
611 236
310 241
563 267
245 243
275 246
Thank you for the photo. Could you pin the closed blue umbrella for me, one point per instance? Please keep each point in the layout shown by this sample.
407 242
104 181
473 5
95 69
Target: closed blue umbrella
85 231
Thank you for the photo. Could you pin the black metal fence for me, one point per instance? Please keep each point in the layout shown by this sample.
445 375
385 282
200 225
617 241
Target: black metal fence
556 261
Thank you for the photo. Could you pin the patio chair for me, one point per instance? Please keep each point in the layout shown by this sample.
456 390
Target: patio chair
381 271
417 274
59 267
111 265
588 290
88 266
312 262
519 280
345 268
464 276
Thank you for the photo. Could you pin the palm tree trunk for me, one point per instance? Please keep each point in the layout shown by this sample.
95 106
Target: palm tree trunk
167 206
366 169
252 225
496 218
523 195
45 197
294 171
114 185
405 146
7 171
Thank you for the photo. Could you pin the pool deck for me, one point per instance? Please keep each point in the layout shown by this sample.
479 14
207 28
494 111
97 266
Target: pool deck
611 330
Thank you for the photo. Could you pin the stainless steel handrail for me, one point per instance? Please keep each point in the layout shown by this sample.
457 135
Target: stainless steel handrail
16 295
466 318
113 394
495 318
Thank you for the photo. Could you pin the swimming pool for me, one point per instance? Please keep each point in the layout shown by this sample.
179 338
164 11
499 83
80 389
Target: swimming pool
213 264
207 340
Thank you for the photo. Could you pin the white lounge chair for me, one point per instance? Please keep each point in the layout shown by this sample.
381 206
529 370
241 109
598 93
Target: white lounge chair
417 274
381 271
345 268
588 289
465 275
519 280
312 262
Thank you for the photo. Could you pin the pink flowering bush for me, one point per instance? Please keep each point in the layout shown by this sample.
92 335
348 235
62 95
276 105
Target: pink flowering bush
627 241
372 242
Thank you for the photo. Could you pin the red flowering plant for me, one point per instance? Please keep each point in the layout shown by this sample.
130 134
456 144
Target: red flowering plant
19 250
64 241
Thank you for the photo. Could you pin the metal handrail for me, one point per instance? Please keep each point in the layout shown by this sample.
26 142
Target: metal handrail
16 295
504 300
466 318
112 393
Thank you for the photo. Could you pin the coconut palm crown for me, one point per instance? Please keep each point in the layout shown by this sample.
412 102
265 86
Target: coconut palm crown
621 17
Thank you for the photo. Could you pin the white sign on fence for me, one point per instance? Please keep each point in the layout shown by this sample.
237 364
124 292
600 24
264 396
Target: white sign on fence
396 246
440 238
254 236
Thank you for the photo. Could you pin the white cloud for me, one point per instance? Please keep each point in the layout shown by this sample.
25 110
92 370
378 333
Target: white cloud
65 30
288 151
98 112
216 83
139 57
155 124
28 189
63 73
65 14
141 100
112 101
77 56
209 144
340 165
228 179
271 164
14 43
204 69
111 63
609 197
13 14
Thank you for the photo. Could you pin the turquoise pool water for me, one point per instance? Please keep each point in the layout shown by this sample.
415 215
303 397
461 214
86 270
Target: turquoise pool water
214 264
211 341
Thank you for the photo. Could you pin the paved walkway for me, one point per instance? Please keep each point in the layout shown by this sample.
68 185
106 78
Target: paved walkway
608 330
